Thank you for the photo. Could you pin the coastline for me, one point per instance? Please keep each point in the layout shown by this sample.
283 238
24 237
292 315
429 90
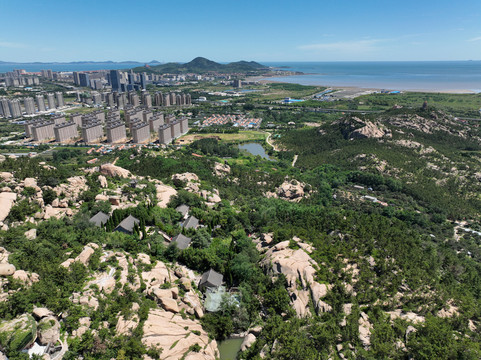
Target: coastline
274 79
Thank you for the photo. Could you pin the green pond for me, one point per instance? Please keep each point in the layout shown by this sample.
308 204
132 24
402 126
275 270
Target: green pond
229 348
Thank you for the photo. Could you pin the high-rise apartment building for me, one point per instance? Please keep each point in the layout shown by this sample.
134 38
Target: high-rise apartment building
84 80
92 132
115 131
15 109
51 101
29 105
147 100
43 131
65 131
4 109
59 96
115 80
40 102
156 121
165 134
140 133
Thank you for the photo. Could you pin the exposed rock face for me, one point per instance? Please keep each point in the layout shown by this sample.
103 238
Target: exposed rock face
248 341
7 269
175 335
30 182
291 190
48 330
40 313
103 181
83 257
365 328
426 124
126 326
298 267
356 128
221 170
369 130
111 170
409 316
25 277
169 305
6 176
6 202
31 234
164 194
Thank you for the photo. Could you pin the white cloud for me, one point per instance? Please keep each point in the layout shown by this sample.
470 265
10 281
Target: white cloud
12 45
474 39
344 46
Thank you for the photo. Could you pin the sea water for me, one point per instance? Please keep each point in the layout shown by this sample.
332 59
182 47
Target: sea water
392 75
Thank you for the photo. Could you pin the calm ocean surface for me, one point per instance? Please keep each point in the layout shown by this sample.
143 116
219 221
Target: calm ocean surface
405 75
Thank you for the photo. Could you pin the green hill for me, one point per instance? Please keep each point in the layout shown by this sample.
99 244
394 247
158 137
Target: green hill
202 65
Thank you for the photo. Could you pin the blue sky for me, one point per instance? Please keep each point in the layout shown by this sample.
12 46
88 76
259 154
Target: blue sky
262 30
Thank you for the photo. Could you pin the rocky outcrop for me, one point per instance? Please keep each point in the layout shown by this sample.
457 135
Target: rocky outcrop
356 128
290 190
6 203
83 257
299 269
6 176
249 340
111 170
7 269
40 313
175 335
370 130
408 316
31 234
48 330
221 170
164 194
365 328
103 181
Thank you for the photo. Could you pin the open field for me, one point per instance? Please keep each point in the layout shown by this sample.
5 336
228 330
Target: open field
241 136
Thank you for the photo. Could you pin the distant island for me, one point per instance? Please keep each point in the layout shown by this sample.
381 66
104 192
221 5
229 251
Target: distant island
202 65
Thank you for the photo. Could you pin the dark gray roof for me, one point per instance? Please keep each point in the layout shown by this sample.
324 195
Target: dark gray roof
99 219
182 241
128 224
183 209
191 223
211 278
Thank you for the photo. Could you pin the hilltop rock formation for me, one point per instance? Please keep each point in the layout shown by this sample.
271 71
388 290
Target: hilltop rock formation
356 128
299 269
290 190
175 335
111 170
